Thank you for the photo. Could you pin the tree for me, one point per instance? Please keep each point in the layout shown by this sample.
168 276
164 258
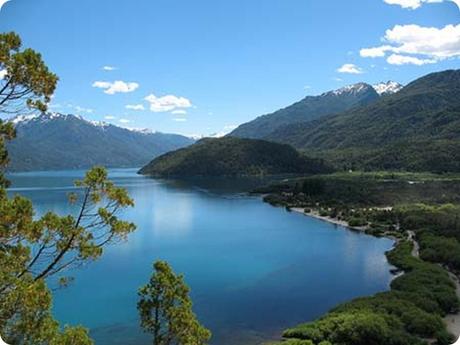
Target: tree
166 309
36 251
26 78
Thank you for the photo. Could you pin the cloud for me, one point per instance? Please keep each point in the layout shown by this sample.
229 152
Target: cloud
180 119
350 68
109 68
227 129
135 107
110 117
3 74
83 110
179 112
428 44
54 106
375 52
396 59
124 121
3 2
414 4
118 86
167 103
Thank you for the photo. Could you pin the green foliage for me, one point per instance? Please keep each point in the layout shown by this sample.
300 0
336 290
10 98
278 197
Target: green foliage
31 249
166 310
28 79
233 157
34 249
364 190
440 249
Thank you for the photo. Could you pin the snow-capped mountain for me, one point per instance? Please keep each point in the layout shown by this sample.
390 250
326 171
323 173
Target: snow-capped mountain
387 88
63 141
308 109
353 89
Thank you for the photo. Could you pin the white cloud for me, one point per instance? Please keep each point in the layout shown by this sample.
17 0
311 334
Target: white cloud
350 68
180 119
110 117
167 103
54 106
179 112
227 129
396 59
124 121
83 110
2 3
112 88
414 4
135 107
3 74
109 68
428 44
375 52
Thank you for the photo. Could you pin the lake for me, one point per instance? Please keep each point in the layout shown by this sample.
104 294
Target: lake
253 269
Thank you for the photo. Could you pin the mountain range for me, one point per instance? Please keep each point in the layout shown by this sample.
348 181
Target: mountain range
50 141
361 126
314 107
415 128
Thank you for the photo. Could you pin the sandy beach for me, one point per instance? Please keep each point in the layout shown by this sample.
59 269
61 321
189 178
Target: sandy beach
315 214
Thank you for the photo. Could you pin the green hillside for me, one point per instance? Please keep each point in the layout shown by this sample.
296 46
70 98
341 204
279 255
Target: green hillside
309 108
417 128
233 157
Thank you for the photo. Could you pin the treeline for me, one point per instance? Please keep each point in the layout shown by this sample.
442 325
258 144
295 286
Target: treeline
412 311
234 157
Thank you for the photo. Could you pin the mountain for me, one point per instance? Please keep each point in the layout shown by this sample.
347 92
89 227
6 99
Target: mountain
309 108
417 128
55 141
229 156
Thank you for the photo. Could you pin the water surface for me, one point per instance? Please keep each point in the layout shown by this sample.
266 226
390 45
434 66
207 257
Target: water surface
253 269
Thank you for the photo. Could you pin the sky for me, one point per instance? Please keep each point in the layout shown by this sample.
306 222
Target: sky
205 66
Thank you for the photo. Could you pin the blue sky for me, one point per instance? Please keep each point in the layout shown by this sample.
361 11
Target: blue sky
223 62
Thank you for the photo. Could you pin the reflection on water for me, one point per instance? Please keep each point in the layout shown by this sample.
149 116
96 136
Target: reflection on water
253 269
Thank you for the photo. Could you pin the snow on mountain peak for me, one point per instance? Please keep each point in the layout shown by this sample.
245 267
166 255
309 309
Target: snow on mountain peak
139 130
353 89
23 118
387 88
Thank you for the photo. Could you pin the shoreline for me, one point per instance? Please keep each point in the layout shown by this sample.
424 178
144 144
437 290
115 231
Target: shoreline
316 215
452 321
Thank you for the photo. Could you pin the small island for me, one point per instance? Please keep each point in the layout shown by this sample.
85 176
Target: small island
230 156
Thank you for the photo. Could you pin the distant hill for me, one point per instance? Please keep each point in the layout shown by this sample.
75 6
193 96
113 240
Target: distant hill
314 107
230 156
56 141
417 128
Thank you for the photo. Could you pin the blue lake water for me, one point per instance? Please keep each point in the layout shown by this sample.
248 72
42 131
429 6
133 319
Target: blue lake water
253 269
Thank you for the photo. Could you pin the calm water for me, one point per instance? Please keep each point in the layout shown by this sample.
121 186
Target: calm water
253 269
